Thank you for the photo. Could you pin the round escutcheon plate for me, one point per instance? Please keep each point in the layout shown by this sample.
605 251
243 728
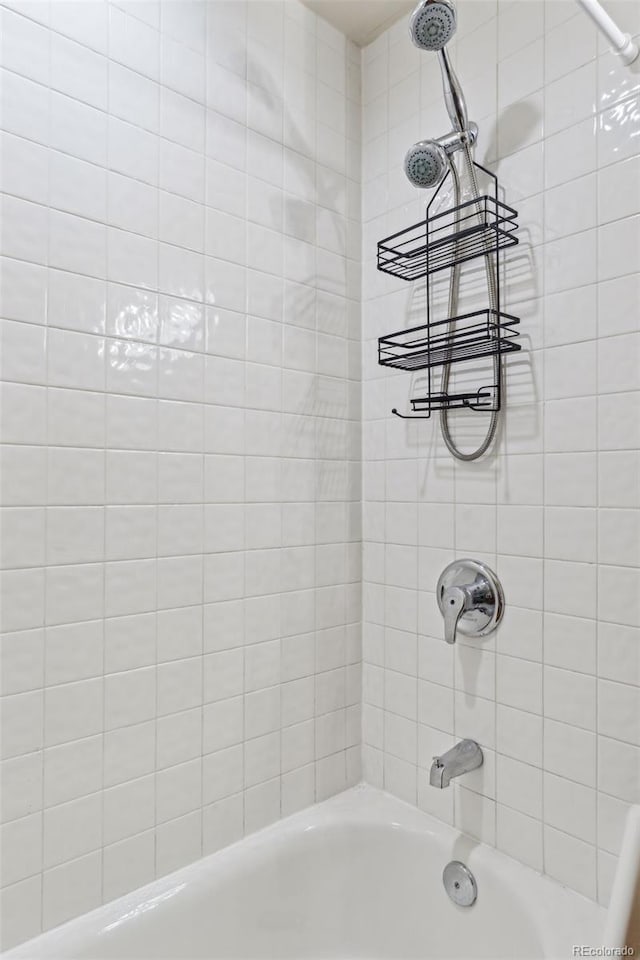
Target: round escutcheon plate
483 586
460 883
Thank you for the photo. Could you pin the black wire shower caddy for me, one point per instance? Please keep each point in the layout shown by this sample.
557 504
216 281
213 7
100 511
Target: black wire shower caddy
481 227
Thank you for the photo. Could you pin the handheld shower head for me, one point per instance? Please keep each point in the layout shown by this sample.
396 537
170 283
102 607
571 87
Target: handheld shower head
425 163
432 24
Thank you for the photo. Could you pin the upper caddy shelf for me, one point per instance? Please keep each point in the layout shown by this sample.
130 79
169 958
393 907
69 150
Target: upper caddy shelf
472 229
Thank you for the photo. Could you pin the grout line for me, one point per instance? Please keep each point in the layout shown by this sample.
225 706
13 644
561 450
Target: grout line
46 533
597 552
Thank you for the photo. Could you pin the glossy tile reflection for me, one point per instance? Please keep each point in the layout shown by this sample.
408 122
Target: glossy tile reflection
160 204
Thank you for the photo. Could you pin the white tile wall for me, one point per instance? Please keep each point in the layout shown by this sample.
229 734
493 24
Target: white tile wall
180 416
553 695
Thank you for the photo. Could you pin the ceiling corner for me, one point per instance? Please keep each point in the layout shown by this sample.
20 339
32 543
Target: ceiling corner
361 20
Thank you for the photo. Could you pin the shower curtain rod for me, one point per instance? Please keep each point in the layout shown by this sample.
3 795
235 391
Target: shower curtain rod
623 45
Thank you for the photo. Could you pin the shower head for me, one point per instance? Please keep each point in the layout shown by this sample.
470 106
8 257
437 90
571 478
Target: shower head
432 24
425 163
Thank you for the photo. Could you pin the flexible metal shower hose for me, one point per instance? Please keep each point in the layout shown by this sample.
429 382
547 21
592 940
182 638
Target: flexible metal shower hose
454 285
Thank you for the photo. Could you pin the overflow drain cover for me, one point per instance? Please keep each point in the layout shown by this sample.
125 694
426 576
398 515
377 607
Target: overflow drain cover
460 883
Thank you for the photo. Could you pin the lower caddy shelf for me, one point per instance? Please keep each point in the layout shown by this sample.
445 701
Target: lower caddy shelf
482 333
485 398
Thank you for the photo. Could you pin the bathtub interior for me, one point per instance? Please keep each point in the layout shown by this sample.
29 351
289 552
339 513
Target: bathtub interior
357 876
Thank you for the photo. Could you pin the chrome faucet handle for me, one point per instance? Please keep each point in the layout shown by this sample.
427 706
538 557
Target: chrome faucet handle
470 598
454 603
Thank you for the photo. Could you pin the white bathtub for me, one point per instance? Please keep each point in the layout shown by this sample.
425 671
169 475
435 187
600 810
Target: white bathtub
356 876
